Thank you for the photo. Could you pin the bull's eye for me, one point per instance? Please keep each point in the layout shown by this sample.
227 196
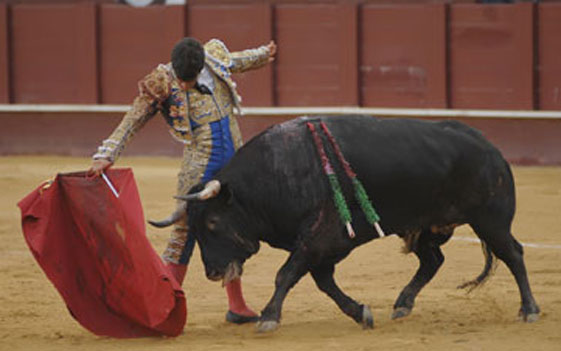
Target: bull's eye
211 223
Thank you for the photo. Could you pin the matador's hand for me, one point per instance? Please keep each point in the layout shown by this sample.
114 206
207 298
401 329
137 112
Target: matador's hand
272 50
98 166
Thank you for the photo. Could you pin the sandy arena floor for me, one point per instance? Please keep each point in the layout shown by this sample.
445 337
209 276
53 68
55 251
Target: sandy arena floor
34 317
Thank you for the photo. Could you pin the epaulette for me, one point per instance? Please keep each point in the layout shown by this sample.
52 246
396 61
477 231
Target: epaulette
218 51
156 84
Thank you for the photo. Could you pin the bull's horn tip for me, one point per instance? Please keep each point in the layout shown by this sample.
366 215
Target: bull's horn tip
156 224
182 197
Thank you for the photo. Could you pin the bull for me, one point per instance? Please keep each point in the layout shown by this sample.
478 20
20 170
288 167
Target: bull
424 179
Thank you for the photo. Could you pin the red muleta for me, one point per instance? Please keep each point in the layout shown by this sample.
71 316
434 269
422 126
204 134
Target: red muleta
90 241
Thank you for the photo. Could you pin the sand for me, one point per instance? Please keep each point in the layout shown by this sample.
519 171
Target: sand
33 316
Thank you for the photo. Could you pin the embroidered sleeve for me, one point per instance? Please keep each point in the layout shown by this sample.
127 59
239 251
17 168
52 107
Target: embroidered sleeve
153 90
249 59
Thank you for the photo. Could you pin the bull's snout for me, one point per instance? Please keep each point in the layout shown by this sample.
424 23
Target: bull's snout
232 271
214 274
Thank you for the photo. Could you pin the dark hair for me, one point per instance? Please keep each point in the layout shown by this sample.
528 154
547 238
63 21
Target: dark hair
187 58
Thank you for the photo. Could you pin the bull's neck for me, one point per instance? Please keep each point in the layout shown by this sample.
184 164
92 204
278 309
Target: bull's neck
252 221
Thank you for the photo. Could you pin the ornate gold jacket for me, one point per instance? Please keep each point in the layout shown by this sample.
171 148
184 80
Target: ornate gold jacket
185 111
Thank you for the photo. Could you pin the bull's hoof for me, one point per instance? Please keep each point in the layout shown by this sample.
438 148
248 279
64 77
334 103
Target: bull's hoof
401 312
367 318
267 326
529 314
532 317
529 317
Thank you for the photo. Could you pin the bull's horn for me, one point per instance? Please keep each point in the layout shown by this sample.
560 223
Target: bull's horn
179 213
211 189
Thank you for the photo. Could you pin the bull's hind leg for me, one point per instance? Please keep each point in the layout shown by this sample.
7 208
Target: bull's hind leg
506 248
323 276
430 258
289 274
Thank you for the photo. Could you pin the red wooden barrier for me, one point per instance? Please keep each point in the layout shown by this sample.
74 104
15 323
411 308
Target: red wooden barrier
491 56
403 56
133 41
53 54
4 67
317 58
79 134
522 141
549 56
239 26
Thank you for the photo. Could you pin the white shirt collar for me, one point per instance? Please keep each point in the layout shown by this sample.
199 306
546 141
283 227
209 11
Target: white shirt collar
205 78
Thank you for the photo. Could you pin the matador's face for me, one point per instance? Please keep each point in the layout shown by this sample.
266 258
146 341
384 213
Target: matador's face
187 84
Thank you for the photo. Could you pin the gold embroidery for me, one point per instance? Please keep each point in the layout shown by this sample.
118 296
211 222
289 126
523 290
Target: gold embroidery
161 88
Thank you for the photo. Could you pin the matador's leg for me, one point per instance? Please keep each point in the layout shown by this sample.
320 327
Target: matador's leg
180 245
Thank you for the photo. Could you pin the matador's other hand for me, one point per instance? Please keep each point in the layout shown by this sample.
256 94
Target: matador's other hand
272 50
98 166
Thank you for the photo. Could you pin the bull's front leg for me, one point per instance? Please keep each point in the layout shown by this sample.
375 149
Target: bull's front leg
430 259
289 274
323 276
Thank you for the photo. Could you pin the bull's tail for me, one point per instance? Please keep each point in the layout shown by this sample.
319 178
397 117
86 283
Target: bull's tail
488 270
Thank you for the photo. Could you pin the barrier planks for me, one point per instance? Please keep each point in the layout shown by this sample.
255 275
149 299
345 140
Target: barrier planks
549 56
491 56
331 53
4 67
53 53
403 56
133 41
317 58
240 27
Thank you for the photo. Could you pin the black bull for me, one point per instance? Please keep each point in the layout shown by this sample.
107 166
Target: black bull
423 178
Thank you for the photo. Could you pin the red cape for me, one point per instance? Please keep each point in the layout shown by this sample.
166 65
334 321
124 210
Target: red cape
92 246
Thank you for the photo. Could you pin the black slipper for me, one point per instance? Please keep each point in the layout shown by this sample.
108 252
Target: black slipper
235 318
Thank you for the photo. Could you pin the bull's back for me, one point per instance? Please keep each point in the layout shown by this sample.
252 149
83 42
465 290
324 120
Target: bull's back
409 168
408 152
421 169
429 169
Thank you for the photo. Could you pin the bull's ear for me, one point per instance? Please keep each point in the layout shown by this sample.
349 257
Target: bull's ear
226 193
210 190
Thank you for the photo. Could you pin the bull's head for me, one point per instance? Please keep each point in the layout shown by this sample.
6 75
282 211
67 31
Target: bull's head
220 227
